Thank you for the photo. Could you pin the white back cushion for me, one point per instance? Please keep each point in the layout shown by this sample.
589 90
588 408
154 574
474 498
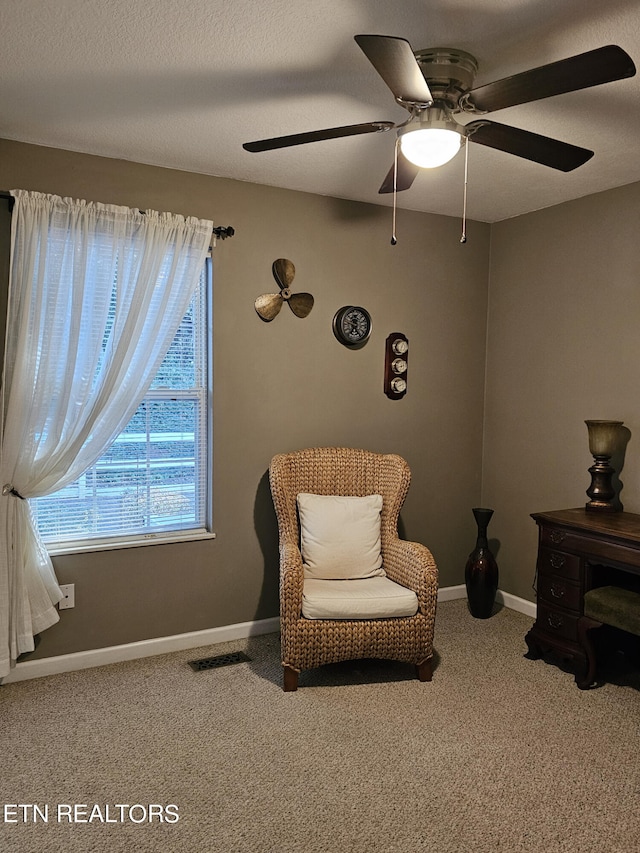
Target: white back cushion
340 536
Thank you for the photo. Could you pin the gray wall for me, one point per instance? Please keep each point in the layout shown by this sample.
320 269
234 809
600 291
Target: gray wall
563 347
289 384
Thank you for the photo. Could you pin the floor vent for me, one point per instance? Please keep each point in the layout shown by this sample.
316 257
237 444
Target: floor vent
219 660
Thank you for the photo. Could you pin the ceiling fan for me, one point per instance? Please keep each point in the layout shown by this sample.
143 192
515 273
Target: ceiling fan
435 85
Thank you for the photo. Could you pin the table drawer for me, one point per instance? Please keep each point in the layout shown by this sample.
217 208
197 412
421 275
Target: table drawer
560 592
553 620
557 562
558 537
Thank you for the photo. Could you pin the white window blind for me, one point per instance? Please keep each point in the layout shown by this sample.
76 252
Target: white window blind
154 479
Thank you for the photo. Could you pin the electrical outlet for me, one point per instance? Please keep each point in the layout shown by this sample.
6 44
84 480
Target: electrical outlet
69 600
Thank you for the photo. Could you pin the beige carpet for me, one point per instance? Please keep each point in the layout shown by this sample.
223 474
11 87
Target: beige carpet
498 753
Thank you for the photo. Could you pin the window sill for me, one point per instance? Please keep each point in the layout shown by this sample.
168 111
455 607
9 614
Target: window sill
134 542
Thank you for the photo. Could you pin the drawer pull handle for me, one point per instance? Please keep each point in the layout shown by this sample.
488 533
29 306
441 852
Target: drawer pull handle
554 620
557 560
557 536
557 591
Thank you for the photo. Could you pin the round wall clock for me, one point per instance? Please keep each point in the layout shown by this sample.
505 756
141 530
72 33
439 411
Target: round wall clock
352 325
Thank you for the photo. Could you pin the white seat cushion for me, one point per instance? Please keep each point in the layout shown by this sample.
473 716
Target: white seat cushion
366 598
340 535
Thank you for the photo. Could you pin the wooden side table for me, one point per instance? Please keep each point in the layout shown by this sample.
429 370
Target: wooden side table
577 551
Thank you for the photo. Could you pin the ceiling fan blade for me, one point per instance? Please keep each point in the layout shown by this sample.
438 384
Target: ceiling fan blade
407 173
602 65
268 305
395 62
531 146
318 135
301 304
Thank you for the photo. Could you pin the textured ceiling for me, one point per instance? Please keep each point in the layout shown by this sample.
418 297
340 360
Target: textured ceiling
183 83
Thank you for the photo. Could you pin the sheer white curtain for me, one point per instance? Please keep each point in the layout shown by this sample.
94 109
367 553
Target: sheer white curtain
71 378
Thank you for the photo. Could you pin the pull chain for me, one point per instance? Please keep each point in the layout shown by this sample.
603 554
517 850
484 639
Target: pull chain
463 238
395 192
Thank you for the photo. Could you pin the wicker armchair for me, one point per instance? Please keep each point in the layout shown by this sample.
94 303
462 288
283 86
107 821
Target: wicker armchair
308 643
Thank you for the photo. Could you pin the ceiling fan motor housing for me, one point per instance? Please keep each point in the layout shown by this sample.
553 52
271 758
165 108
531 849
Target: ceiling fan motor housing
449 72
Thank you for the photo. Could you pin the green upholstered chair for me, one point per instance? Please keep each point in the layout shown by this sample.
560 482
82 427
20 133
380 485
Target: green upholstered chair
605 605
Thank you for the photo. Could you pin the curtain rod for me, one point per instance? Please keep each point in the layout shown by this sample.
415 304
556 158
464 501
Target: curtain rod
221 232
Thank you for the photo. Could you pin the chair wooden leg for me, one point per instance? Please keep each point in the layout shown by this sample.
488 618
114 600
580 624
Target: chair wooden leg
290 679
424 670
585 626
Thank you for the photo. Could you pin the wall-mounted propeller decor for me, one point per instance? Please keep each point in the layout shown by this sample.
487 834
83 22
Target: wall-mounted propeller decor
436 84
269 304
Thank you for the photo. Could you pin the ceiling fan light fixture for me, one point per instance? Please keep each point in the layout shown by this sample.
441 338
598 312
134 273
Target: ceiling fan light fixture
430 146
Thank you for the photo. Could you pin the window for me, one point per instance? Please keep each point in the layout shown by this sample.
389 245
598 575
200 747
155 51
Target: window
153 483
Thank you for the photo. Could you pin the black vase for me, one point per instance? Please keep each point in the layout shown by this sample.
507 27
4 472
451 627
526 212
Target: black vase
481 571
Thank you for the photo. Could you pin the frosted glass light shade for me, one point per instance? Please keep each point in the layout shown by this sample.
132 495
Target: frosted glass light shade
429 147
602 436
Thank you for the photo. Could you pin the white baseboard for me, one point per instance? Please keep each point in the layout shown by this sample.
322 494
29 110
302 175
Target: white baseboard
142 649
450 593
194 639
513 602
